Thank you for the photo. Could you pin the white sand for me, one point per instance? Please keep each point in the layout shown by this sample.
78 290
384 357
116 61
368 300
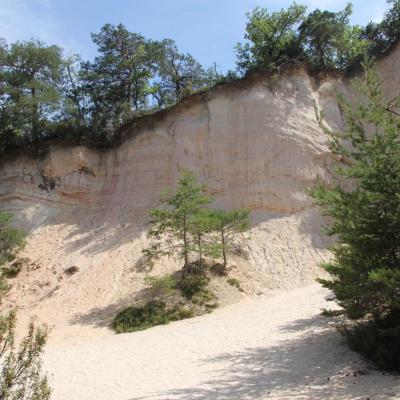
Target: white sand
275 347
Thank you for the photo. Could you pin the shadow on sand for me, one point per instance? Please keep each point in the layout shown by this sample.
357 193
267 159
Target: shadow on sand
302 368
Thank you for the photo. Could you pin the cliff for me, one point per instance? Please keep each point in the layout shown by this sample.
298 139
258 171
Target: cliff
257 143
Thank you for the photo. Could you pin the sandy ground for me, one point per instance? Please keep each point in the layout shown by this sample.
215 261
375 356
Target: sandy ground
276 347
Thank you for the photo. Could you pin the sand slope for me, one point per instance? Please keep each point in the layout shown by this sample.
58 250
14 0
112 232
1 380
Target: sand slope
275 347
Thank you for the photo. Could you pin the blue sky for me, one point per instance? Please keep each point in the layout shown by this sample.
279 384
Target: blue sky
208 29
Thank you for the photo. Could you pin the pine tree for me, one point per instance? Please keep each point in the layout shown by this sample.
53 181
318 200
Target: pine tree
228 224
174 221
21 377
11 241
365 270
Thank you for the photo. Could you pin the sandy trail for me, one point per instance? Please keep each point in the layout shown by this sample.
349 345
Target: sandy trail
276 347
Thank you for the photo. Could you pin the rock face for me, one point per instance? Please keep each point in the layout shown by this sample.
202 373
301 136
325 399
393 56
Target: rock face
258 144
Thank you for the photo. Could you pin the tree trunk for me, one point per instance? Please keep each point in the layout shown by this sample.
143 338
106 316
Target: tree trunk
35 115
223 248
200 250
185 248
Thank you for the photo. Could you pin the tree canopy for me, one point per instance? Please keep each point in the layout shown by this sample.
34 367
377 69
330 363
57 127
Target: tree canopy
322 38
185 225
365 220
46 94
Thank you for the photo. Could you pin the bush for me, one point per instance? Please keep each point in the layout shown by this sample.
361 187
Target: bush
218 269
325 312
153 313
234 282
12 270
11 240
21 377
192 285
377 342
4 286
161 286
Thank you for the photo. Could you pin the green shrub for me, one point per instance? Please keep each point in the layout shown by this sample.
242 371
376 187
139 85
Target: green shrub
202 297
380 344
218 269
234 282
4 286
11 240
21 375
325 312
153 313
192 285
12 270
161 286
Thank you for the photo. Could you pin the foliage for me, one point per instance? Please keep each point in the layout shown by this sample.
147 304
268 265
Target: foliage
117 82
45 94
185 227
228 224
21 377
322 38
235 283
11 241
365 270
161 286
323 34
271 38
201 225
13 269
380 342
30 73
192 285
325 312
177 74
153 313
384 34
172 222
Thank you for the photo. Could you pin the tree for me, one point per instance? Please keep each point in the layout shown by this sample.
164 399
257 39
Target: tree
21 377
75 107
391 22
365 270
354 47
201 224
323 33
11 241
172 222
30 75
177 73
271 38
228 224
118 81
382 35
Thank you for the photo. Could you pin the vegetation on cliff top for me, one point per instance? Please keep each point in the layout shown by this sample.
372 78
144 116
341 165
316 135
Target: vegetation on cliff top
44 94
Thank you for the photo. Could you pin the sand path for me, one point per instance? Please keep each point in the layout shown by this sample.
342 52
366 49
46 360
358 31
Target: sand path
276 347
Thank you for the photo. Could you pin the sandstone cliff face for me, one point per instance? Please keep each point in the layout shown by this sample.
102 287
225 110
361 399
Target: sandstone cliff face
257 143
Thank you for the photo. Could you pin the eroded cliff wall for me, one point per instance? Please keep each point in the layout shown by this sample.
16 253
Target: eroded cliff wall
257 143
